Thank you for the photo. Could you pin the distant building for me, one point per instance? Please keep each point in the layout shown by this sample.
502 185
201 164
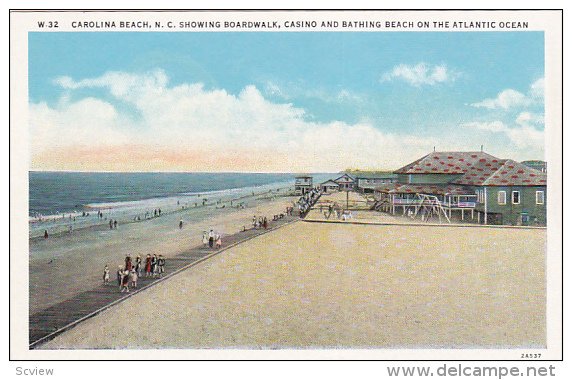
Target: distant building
498 191
329 186
303 184
346 182
536 164
367 182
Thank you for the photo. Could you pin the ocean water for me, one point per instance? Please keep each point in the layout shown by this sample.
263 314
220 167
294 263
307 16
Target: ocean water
62 199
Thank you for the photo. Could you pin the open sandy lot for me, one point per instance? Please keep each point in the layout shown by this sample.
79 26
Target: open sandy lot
339 285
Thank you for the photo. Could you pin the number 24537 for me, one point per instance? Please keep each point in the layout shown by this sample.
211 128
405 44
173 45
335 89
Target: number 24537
530 356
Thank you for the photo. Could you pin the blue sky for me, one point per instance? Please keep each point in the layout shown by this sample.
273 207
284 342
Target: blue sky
453 90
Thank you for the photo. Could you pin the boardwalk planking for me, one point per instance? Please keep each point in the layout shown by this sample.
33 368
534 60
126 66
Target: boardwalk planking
48 323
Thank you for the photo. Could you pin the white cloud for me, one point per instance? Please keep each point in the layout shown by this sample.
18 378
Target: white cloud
290 91
537 89
510 98
421 74
186 127
505 99
492 126
529 119
526 135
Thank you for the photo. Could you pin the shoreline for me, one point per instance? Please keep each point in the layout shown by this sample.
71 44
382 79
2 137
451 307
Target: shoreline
63 228
66 265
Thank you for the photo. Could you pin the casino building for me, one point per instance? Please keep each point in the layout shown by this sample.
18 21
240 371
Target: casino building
469 186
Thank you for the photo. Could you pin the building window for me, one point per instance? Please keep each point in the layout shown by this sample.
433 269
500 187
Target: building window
516 197
501 197
540 197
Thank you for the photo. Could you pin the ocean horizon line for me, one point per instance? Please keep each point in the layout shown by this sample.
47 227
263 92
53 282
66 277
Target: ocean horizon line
180 172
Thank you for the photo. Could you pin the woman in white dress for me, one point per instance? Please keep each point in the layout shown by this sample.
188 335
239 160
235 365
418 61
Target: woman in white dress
205 239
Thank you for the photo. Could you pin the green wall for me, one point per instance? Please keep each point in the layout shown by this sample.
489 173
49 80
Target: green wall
511 213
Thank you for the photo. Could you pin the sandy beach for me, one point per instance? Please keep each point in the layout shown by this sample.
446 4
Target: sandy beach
63 266
312 285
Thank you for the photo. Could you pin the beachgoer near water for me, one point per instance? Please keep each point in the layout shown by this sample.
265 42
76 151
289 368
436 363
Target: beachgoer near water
254 221
148 266
205 239
218 241
106 275
115 223
45 234
211 238
265 223
180 223
110 224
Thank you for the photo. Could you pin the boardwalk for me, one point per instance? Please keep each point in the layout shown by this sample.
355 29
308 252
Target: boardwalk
46 324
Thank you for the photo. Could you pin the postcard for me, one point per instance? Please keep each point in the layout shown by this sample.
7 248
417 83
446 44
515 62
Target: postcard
286 185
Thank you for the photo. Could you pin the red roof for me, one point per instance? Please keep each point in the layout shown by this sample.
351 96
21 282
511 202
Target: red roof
513 173
446 162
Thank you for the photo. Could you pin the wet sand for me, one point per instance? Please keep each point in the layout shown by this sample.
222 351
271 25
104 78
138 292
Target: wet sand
63 266
311 285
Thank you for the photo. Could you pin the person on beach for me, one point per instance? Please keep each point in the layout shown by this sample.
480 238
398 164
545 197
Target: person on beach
45 234
119 276
154 266
148 266
128 263
138 265
106 275
159 212
161 264
211 238
180 223
265 223
218 241
125 281
134 278
205 239
115 223
110 224
254 221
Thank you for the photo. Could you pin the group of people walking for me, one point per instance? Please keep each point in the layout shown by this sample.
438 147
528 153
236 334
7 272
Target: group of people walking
260 222
129 274
212 239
